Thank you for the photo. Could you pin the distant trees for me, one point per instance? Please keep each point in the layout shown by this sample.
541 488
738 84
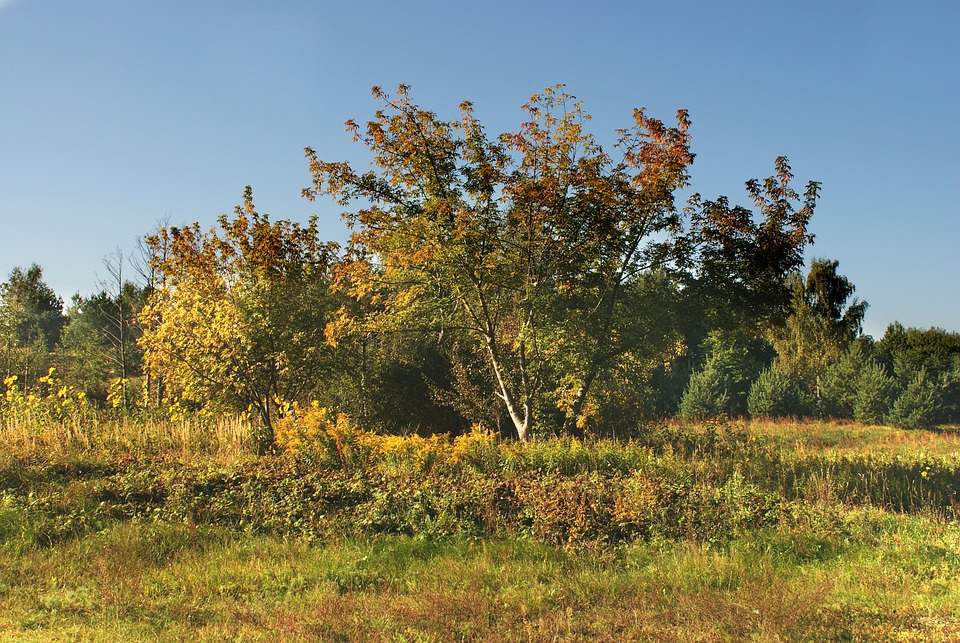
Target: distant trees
100 351
31 323
821 323
909 378
533 281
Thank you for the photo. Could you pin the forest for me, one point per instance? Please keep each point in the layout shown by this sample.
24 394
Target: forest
534 396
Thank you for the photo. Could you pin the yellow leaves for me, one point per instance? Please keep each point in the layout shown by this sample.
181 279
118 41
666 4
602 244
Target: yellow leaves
52 401
473 446
343 325
336 439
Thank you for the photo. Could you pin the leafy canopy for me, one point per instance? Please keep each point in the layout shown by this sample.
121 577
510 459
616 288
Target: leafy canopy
236 320
527 242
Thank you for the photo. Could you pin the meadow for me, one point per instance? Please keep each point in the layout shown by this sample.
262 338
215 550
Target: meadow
697 531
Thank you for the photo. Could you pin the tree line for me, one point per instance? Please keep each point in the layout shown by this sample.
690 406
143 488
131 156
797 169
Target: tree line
533 281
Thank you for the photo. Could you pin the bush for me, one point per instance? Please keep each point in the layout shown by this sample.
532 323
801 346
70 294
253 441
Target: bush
777 394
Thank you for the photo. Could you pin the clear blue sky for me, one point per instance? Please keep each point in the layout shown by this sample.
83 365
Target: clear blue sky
117 114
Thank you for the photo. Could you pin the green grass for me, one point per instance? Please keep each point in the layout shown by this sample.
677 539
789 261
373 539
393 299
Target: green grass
890 578
709 532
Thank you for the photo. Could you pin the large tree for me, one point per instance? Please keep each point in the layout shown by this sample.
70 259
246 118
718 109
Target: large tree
237 314
528 242
737 266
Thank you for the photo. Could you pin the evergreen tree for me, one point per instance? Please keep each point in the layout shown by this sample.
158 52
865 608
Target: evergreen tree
776 393
722 385
919 405
837 393
875 393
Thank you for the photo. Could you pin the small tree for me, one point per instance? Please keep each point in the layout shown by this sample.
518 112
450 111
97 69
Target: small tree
706 395
875 393
100 342
837 392
919 405
722 386
777 394
31 324
237 315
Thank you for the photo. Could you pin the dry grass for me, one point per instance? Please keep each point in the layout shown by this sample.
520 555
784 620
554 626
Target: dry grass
225 438
842 437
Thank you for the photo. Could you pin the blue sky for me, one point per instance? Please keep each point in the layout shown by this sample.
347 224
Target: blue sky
116 115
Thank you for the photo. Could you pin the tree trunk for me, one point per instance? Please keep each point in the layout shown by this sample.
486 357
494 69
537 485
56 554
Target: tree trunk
262 432
522 423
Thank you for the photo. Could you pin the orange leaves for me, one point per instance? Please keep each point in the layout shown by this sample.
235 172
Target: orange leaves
514 239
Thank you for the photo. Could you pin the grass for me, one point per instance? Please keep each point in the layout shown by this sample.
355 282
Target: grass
712 532
812 436
168 582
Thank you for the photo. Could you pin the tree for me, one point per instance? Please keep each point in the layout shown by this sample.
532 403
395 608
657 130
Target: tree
875 393
526 243
31 323
919 405
101 340
237 315
838 384
777 393
736 265
906 351
821 324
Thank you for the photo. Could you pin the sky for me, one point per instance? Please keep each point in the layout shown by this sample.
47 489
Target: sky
117 115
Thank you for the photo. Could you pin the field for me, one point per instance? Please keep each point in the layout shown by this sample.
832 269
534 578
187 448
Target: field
708 531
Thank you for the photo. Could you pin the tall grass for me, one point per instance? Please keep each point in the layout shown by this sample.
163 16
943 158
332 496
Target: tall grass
224 437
